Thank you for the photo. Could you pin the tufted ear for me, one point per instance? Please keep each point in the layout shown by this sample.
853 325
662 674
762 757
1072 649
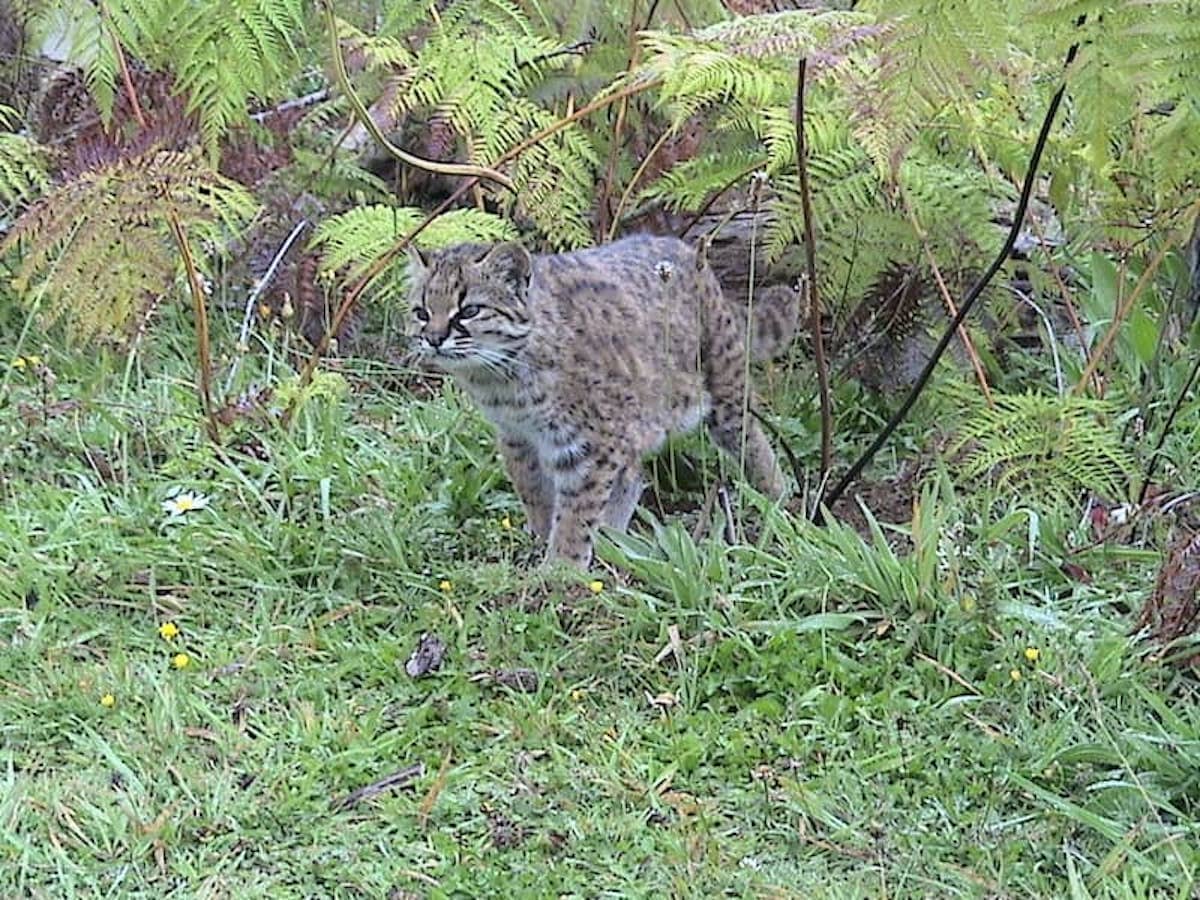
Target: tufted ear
418 260
510 261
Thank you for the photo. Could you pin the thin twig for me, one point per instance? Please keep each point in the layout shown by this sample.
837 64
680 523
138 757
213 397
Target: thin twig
720 192
435 789
199 305
814 296
1058 373
1166 430
756 186
948 672
963 335
364 117
201 312
289 105
1061 285
972 295
125 76
1119 317
635 86
633 183
614 150
267 278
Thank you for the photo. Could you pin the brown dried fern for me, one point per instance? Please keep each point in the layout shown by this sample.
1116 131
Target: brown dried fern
94 248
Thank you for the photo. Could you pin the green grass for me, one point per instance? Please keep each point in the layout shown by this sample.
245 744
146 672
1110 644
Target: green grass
841 716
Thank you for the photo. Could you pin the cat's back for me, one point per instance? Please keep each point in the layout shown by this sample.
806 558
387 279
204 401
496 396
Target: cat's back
618 330
642 276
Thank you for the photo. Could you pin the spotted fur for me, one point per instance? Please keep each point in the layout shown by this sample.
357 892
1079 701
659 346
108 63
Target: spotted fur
585 362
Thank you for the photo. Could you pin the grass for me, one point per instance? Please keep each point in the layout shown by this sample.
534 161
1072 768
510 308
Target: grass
814 713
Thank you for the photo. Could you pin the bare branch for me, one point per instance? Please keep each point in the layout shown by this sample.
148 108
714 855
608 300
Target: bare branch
364 116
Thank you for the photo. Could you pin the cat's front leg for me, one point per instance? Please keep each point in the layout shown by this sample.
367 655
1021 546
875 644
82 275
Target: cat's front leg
532 486
627 490
582 492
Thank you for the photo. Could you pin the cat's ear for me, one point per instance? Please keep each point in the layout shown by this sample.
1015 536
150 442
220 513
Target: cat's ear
418 260
509 260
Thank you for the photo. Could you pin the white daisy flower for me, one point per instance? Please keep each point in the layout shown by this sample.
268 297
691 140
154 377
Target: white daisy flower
180 503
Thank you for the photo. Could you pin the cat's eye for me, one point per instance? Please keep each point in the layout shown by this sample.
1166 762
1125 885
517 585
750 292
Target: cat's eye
421 314
470 311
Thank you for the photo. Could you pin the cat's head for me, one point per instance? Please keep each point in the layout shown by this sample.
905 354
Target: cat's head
468 305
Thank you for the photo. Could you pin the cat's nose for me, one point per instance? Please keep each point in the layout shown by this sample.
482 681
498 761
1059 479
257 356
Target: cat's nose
437 338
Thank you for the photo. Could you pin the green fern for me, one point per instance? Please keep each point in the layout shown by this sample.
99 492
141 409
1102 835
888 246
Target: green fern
223 55
22 168
473 79
748 61
741 75
93 250
688 184
1044 446
352 241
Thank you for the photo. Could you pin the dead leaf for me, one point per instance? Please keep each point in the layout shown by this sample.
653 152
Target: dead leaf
428 656
1172 611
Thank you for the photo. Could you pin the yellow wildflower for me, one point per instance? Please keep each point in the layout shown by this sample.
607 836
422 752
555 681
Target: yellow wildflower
596 586
1015 675
445 586
33 359
1033 654
506 523
168 630
108 701
18 363
180 660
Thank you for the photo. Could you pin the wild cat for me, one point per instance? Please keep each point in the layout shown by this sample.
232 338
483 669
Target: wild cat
585 362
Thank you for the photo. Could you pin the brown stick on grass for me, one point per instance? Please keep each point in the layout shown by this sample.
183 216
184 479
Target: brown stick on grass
400 778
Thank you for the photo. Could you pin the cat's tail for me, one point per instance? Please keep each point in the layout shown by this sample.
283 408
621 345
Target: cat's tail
775 314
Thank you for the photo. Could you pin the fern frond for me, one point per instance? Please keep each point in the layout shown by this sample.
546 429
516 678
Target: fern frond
1045 446
1132 99
380 50
749 61
352 241
478 70
96 247
221 54
953 203
77 26
792 33
22 167
688 184
243 50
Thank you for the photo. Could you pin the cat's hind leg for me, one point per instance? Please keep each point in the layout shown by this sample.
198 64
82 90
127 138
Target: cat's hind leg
730 422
